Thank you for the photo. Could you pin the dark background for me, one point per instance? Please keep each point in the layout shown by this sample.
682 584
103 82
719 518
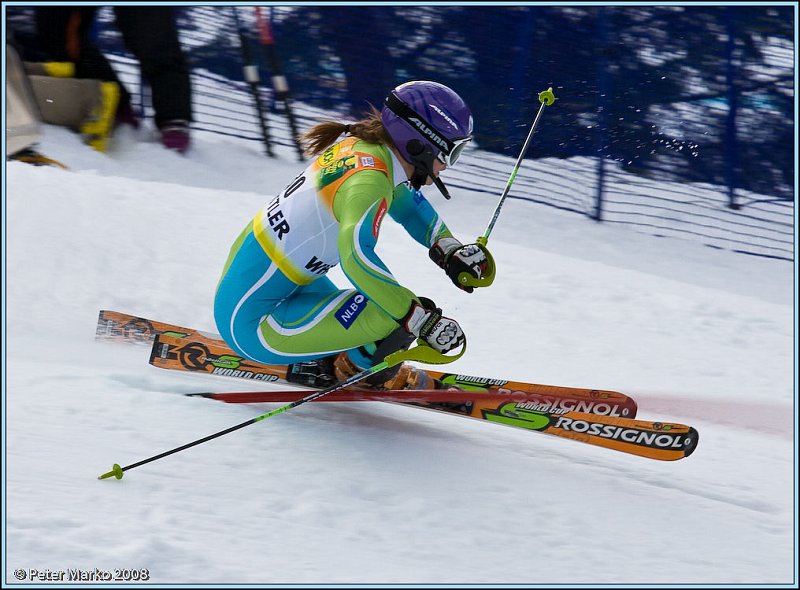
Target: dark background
697 93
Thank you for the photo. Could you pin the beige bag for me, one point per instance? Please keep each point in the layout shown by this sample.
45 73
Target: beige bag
86 106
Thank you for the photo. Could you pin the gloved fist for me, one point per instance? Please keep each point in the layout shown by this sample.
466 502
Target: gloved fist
456 258
442 334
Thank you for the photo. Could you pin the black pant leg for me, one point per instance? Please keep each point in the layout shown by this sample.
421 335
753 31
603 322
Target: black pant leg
151 34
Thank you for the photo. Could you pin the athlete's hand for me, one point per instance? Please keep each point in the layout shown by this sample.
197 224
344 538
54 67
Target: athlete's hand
427 323
456 258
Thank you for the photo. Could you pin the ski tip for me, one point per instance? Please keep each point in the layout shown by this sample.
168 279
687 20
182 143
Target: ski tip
690 441
116 471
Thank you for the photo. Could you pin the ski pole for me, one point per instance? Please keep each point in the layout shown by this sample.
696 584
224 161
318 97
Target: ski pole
546 98
251 76
421 353
279 82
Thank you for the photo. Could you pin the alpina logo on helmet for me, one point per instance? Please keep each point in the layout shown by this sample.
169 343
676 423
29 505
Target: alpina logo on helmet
445 117
432 135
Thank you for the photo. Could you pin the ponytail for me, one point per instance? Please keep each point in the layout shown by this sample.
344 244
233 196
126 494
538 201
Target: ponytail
322 135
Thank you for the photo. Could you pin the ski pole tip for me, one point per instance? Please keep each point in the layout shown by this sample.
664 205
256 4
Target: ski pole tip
116 471
547 97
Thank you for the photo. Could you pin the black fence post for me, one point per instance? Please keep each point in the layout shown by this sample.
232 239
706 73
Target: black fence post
279 83
731 140
250 72
604 85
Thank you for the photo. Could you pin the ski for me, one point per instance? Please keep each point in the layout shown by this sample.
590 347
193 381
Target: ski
185 349
662 441
548 409
654 440
215 358
354 394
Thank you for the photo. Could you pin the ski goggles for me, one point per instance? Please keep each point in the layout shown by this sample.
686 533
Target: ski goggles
449 149
455 152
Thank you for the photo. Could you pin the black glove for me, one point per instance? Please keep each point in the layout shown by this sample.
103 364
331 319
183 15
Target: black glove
456 258
425 321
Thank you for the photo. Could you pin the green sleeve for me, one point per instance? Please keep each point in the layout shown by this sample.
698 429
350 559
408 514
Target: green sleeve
359 206
412 210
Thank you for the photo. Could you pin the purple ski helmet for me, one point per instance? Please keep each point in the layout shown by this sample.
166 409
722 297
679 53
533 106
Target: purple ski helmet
427 120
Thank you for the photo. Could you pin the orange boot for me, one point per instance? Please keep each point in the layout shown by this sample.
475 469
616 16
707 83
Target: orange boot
402 376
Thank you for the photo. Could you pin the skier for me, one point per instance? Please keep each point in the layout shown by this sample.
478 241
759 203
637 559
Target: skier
273 302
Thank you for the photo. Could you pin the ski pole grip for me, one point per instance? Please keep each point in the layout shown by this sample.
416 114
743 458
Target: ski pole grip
423 354
487 278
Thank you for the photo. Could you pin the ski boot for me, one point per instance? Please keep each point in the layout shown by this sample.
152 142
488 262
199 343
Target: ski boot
326 371
401 376
316 373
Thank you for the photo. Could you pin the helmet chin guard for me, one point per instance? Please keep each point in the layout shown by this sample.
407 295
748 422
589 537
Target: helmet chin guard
422 157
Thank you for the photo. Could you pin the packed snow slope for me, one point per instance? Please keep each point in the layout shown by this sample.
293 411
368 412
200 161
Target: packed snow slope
374 493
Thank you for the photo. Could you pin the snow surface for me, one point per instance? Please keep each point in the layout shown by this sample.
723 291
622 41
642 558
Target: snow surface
373 493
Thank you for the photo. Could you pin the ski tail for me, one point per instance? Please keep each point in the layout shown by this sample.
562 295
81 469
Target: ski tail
116 326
